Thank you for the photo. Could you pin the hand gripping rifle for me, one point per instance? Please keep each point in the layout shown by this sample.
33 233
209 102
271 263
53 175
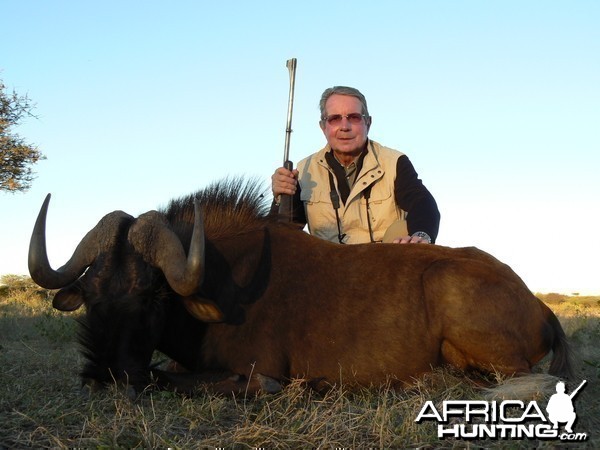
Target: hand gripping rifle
286 204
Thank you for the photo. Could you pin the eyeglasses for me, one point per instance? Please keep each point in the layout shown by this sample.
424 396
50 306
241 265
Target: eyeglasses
336 119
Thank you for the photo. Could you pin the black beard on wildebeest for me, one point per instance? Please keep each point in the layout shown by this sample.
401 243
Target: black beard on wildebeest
244 302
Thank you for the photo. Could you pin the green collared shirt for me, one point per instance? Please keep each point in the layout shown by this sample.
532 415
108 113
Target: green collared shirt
346 175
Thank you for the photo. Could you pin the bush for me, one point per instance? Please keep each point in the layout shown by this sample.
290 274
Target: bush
552 298
14 284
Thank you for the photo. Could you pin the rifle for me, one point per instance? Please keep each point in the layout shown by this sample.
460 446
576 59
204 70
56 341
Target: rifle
286 206
574 393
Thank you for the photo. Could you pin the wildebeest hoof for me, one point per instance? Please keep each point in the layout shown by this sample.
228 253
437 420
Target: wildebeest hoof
175 367
268 385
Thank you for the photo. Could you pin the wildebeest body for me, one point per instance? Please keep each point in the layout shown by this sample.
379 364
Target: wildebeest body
291 305
370 312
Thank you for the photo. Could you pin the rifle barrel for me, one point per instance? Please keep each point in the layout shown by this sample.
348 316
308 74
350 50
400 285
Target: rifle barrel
577 390
291 65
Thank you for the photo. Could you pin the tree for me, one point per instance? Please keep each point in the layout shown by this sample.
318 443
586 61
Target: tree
16 156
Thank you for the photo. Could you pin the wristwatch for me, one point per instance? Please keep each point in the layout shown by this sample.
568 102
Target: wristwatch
423 236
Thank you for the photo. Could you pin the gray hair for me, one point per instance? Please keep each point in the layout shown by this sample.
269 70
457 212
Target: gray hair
342 90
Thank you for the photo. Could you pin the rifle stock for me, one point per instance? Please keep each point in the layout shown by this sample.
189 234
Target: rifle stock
286 202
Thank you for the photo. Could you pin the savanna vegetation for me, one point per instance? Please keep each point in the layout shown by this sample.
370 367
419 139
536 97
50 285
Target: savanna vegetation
16 155
43 406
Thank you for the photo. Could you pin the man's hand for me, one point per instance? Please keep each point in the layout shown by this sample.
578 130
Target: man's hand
420 237
284 182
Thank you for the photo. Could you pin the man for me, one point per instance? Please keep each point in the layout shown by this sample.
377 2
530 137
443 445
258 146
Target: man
354 190
560 408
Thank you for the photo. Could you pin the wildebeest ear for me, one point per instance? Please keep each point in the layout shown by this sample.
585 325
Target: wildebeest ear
68 299
203 309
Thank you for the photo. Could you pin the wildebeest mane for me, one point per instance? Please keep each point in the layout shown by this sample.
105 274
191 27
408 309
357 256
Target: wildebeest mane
230 207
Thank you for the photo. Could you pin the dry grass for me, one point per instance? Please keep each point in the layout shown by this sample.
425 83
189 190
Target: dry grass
41 405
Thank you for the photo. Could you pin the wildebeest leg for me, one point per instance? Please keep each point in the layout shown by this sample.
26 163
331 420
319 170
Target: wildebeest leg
487 320
217 382
489 363
239 385
454 356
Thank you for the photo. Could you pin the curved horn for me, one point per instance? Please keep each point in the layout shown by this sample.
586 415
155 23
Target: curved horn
151 236
99 238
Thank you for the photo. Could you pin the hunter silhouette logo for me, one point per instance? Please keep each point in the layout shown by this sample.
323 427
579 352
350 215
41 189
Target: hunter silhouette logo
560 407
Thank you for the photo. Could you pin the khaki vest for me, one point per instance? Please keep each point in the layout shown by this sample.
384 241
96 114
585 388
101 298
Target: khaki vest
378 171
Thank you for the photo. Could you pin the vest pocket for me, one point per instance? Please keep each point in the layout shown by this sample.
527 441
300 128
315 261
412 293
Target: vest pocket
314 196
320 215
380 194
382 210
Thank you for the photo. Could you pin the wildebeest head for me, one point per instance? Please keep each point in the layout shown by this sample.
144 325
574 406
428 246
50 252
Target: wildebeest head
130 273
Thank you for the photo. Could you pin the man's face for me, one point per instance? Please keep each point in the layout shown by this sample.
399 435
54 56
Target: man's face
345 136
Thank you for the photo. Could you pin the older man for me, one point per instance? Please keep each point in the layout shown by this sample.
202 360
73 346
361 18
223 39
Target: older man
354 190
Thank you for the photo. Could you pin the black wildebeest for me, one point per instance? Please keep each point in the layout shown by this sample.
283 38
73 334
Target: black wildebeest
213 282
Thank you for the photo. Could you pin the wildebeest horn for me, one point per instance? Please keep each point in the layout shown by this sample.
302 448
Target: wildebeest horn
97 239
151 236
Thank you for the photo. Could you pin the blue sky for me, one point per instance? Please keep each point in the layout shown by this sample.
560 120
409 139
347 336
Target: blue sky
497 104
